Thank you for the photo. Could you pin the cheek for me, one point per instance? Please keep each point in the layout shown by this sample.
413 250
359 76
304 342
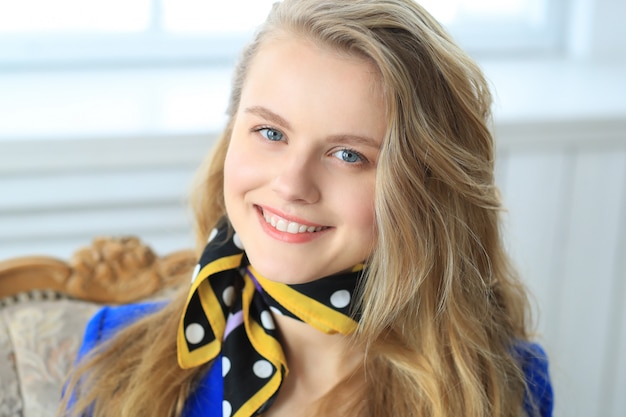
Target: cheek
366 219
362 228
367 225
234 177
236 166
358 208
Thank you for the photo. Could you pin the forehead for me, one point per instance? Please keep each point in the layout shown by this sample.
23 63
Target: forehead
297 47
293 72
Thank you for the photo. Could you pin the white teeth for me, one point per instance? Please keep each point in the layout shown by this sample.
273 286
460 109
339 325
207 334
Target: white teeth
283 225
293 227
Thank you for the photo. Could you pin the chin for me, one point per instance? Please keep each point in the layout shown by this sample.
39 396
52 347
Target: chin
286 274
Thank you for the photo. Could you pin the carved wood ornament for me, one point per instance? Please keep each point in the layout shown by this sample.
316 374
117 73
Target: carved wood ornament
111 270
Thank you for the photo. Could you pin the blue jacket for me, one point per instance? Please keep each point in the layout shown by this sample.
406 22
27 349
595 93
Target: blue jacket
206 400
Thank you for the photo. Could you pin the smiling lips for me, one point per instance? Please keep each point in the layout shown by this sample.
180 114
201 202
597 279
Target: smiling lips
287 226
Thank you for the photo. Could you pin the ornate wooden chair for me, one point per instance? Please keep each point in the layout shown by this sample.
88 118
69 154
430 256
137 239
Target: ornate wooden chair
112 270
46 302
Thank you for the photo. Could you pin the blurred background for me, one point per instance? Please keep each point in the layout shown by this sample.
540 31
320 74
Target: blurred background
107 108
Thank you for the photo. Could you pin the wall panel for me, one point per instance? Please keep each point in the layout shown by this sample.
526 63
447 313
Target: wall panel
536 197
587 284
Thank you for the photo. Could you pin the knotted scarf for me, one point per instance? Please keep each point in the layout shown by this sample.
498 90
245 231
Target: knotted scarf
229 312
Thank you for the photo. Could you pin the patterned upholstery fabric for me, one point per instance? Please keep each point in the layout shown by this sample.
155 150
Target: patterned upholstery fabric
40 334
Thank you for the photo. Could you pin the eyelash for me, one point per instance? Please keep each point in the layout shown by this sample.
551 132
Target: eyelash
266 129
361 158
360 161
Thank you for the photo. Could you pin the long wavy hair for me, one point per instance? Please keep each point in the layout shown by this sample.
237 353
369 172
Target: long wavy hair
442 309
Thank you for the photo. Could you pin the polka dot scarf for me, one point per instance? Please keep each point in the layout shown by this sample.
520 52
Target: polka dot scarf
229 315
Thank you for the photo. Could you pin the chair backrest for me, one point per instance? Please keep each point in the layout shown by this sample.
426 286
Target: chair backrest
112 270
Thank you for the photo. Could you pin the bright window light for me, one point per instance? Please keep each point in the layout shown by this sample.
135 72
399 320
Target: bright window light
210 16
119 32
78 16
454 12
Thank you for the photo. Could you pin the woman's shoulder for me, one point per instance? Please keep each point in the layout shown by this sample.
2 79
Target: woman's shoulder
534 362
110 319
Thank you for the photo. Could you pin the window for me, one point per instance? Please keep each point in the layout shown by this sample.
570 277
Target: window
36 33
502 26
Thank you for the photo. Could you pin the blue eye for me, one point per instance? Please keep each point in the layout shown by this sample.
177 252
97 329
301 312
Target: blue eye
349 156
271 134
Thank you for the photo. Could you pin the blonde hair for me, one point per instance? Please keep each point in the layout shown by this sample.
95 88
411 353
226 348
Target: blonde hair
442 309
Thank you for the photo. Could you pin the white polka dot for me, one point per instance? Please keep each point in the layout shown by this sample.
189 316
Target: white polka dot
212 235
196 271
267 320
227 409
228 296
194 333
262 369
237 241
340 299
276 311
225 366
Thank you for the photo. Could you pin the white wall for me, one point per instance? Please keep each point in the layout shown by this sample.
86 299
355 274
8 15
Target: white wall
562 169
58 195
567 232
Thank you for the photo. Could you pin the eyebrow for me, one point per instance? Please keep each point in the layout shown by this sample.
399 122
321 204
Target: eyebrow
355 139
343 139
269 115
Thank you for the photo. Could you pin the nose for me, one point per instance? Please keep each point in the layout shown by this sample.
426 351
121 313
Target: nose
297 180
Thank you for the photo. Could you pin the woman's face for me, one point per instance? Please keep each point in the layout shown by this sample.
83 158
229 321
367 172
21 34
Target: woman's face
300 170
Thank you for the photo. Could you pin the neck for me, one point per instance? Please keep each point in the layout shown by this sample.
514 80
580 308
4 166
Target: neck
317 362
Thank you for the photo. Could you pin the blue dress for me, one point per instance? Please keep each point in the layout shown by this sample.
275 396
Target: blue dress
206 400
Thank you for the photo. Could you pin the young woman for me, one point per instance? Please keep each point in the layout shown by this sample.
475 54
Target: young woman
356 267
